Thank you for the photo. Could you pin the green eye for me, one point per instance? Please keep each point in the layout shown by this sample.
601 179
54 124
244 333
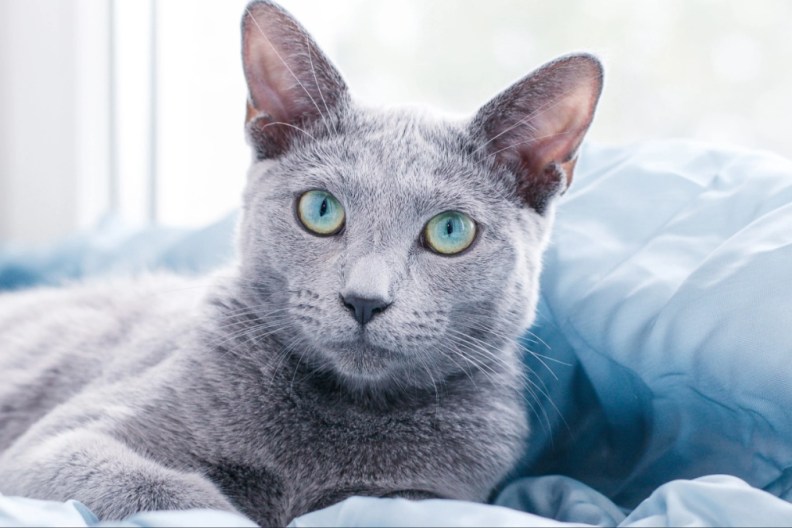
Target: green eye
320 212
450 233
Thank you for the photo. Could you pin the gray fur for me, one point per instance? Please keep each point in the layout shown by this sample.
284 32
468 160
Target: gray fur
254 389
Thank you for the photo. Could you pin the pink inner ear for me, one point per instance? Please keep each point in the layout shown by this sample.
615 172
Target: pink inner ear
560 126
269 79
537 125
288 77
291 84
534 127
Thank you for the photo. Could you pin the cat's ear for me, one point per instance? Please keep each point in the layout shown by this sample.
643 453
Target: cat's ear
291 84
536 126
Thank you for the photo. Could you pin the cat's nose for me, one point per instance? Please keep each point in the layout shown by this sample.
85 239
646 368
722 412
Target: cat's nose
364 308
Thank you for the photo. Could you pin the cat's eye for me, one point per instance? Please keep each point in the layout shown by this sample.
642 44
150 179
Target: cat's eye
320 212
449 233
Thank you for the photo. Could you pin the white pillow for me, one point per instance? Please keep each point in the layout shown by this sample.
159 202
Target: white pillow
669 278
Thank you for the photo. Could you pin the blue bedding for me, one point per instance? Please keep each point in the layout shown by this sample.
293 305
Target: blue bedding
663 380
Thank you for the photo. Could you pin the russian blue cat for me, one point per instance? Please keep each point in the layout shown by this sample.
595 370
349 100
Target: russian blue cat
364 341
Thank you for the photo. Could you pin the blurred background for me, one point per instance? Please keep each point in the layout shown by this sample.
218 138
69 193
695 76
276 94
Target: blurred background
133 109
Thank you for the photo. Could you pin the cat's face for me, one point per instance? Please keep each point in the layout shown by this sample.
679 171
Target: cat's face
393 247
392 173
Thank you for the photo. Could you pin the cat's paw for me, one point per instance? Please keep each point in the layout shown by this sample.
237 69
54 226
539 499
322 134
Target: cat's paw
179 491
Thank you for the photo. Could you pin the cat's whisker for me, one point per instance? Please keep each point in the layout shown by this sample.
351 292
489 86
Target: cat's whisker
301 355
531 384
484 361
250 327
269 328
449 353
273 123
225 312
528 142
485 369
543 417
252 310
285 354
234 349
244 317
532 334
426 367
481 344
242 329
539 379
318 84
538 356
248 317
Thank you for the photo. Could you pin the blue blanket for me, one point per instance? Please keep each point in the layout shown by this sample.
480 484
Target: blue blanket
663 393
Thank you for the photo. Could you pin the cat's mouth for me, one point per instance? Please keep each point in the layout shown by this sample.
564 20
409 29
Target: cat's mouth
361 358
363 344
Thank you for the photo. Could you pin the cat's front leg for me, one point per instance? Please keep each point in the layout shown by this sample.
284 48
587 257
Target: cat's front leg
105 475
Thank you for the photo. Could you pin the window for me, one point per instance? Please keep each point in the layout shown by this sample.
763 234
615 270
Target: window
136 107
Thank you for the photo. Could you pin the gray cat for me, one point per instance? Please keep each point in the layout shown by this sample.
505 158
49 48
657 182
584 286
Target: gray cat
364 343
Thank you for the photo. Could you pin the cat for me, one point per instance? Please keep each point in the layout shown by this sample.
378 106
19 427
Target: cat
364 342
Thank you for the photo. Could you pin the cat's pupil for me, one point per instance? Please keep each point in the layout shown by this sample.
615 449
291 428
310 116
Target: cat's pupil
449 228
323 208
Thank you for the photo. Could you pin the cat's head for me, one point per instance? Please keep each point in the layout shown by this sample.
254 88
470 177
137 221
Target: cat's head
390 246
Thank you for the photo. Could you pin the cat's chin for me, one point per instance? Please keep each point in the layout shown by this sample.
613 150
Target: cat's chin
364 365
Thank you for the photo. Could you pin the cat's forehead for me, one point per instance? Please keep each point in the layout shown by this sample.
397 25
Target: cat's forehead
403 140
397 157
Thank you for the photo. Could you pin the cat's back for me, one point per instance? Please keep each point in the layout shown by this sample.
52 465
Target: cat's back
57 342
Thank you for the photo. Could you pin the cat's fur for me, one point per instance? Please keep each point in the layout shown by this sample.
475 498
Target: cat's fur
257 390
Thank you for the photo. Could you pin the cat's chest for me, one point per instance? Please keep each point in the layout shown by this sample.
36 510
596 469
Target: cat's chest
291 447
347 444
318 454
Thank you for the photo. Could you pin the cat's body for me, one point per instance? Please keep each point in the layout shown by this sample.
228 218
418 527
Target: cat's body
272 438
373 358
